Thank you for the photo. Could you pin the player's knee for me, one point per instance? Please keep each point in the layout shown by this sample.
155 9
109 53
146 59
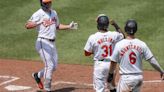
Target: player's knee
52 68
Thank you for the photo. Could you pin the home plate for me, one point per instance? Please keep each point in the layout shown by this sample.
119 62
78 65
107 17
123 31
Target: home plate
16 88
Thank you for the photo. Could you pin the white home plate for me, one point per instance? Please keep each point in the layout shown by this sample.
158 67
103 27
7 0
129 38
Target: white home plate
16 88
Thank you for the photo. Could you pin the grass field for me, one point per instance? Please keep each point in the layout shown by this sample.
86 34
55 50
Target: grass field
18 43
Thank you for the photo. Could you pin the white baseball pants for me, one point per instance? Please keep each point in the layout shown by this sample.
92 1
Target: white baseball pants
100 73
130 83
48 53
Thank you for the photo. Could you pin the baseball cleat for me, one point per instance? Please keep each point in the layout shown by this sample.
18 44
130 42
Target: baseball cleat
38 81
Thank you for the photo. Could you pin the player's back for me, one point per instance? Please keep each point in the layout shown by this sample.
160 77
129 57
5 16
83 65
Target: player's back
131 52
103 44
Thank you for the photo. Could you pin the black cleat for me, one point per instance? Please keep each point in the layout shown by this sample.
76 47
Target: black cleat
38 81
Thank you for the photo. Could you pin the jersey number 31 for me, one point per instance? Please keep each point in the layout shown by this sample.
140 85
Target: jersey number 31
107 50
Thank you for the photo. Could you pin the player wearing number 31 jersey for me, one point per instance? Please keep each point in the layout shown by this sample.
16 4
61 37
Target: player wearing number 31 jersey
129 54
101 45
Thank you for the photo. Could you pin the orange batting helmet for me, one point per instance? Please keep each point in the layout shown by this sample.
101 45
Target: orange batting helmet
44 4
46 1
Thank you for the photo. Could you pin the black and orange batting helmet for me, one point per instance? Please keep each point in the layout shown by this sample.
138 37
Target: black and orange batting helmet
44 4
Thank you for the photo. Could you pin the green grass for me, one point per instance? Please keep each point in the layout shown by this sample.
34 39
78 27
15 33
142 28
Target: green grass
18 43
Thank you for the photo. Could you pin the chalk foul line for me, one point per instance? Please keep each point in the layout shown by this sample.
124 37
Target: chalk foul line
153 81
11 79
16 87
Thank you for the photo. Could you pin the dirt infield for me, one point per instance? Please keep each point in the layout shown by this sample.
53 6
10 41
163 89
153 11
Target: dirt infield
15 76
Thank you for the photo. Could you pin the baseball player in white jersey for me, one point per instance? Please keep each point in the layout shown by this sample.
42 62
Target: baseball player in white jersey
46 21
101 45
129 54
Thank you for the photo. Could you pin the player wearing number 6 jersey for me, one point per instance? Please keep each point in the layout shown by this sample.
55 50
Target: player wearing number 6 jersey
129 54
101 45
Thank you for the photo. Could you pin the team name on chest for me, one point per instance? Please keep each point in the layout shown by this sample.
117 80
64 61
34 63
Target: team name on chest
129 47
102 40
54 19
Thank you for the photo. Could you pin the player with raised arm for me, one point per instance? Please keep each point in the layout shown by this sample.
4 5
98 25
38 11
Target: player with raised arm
101 45
129 54
46 21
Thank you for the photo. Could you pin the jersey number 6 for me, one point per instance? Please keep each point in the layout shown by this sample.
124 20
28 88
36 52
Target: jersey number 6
107 50
132 58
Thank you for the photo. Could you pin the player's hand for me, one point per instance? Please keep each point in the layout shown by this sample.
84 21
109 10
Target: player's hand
112 22
47 22
73 25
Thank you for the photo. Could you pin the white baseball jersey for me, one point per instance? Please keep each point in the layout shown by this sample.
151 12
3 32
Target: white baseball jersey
48 32
102 44
129 54
45 44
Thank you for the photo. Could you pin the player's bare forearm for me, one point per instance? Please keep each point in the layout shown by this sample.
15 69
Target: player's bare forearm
63 27
112 67
30 25
115 75
73 25
118 29
112 73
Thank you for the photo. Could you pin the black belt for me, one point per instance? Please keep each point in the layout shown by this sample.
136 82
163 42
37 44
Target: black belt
104 60
101 60
52 40
131 74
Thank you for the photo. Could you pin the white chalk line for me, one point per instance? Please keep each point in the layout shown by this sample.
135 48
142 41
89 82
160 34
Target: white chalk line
88 84
8 81
16 88
71 83
12 78
153 81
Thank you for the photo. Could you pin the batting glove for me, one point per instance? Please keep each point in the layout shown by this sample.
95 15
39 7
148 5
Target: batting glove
73 25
